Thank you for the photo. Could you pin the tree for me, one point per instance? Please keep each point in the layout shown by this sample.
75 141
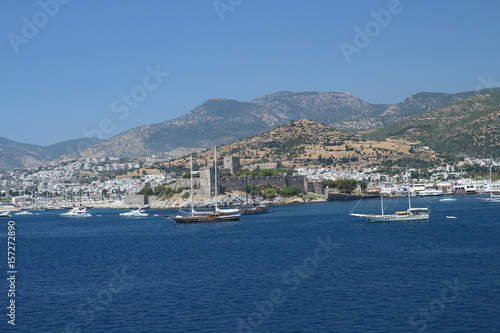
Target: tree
288 191
269 193
345 185
188 175
146 191
329 183
362 184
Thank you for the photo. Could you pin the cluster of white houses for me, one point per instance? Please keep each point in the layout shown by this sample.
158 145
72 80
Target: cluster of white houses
464 186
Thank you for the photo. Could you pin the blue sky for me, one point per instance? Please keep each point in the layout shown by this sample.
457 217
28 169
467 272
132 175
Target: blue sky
70 74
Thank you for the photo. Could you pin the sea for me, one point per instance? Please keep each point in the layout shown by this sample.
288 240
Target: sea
301 268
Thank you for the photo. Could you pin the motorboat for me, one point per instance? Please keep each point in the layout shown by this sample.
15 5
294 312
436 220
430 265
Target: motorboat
24 212
5 214
76 212
134 213
258 209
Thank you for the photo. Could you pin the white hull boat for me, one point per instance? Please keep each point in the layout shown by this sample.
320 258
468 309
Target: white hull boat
134 213
77 212
409 215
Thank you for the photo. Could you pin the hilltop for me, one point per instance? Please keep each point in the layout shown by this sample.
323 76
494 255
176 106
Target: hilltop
219 121
311 144
470 126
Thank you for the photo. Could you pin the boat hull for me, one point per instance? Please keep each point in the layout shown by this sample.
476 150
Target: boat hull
133 215
254 210
393 218
205 218
488 200
76 215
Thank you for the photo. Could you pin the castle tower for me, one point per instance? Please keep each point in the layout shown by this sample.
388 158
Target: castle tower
232 163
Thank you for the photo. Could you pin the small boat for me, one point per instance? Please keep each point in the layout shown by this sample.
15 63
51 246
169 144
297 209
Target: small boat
448 199
228 210
134 213
5 214
24 212
76 212
430 193
258 209
210 217
451 217
491 199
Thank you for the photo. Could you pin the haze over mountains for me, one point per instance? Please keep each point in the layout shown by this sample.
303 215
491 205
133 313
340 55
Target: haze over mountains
218 121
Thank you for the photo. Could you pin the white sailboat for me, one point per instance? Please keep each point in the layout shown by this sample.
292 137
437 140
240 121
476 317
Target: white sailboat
409 215
493 198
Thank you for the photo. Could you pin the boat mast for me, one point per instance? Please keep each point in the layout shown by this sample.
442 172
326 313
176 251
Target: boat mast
192 195
409 197
215 176
491 183
382 203
246 191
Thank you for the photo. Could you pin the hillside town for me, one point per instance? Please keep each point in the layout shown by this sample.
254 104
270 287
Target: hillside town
114 182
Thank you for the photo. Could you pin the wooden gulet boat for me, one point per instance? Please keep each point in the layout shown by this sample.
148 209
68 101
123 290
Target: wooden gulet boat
194 217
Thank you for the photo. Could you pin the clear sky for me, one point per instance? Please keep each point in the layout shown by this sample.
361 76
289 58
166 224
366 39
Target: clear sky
76 67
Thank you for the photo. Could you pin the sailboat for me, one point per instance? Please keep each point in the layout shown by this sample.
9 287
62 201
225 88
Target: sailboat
256 209
204 217
409 215
493 198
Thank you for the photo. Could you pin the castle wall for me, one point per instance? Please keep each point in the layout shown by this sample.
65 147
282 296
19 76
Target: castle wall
316 187
135 200
237 184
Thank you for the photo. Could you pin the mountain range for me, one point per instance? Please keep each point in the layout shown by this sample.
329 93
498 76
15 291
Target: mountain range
470 126
16 155
219 121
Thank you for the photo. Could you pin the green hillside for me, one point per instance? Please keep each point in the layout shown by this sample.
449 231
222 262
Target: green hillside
470 126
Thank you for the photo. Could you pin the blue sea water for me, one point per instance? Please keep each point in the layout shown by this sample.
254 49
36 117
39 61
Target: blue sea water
301 268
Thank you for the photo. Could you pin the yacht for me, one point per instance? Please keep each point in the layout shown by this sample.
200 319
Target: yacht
77 212
135 213
24 212
5 214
